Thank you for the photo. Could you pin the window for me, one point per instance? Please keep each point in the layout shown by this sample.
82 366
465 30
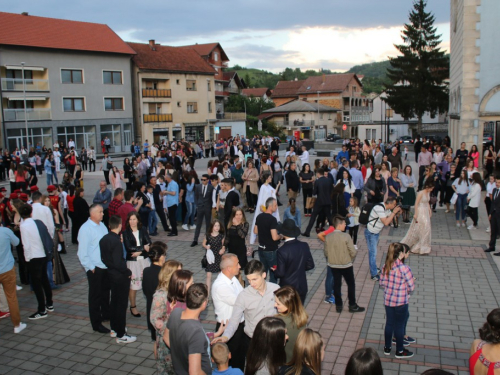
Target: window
209 107
192 107
190 85
178 104
112 78
18 74
209 86
113 104
178 81
321 116
73 104
216 56
71 76
354 88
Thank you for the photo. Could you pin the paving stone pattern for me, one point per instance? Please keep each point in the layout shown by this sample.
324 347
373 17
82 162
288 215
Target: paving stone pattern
456 287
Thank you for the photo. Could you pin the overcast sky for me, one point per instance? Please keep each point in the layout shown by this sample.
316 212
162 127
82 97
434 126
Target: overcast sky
265 34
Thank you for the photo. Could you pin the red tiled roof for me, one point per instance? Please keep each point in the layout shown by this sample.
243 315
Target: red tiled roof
172 59
286 89
42 32
327 83
206 49
257 92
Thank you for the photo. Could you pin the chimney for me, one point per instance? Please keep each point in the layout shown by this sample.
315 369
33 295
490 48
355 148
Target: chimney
324 78
24 14
152 44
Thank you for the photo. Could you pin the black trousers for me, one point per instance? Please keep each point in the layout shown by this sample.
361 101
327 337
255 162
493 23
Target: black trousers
119 285
105 219
473 215
358 195
238 346
106 176
84 165
324 211
161 214
202 214
348 275
172 216
91 163
353 232
99 290
251 198
37 268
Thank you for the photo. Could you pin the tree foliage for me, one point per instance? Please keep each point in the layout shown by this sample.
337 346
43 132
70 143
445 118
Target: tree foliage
251 105
418 76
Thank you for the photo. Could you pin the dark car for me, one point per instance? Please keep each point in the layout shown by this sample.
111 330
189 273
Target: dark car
406 139
434 138
487 139
333 137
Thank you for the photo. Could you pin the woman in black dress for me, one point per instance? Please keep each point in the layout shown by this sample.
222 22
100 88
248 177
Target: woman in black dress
127 172
81 213
237 231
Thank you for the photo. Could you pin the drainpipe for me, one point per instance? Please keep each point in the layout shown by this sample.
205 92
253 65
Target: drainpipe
4 131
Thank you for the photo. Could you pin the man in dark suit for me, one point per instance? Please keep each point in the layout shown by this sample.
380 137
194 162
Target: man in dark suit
233 150
294 259
158 200
232 200
178 161
203 201
323 190
275 146
494 217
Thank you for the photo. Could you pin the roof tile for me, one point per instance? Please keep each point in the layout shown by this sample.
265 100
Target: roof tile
327 83
285 89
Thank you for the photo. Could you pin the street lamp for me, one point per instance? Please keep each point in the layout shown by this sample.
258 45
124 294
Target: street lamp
25 113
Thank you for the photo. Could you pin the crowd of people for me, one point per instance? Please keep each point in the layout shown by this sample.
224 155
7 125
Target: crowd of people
261 325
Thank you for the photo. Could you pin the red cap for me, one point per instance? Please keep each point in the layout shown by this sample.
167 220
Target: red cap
34 188
17 191
51 188
23 197
13 196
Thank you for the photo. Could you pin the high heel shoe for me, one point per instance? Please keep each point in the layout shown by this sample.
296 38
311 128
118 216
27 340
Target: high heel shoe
138 315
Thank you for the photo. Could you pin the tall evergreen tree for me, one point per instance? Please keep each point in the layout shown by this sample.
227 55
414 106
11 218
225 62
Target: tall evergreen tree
418 76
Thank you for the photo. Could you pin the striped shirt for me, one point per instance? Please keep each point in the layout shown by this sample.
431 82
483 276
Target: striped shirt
397 285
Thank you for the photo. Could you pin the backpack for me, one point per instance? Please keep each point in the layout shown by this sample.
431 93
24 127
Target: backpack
364 216
48 244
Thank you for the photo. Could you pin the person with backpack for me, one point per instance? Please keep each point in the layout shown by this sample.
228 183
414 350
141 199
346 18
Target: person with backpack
376 216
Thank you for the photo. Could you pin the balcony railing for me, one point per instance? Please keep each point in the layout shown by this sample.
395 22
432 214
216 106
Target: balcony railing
156 93
162 117
233 90
295 123
31 114
16 84
228 116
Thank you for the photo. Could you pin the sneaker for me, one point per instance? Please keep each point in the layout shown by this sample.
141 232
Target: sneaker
458 225
356 247
330 299
463 225
113 333
339 308
5 314
185 227
404 354
471 227
379 270
405 342
38 315
20 327
192 227
50 308
356 309
387 351
411 340
376 278
18 287
488 229
126 339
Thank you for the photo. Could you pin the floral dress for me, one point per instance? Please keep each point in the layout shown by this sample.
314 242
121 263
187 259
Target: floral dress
418 236
215 245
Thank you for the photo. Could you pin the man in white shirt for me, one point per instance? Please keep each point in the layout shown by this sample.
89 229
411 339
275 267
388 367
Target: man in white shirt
71 143
291 152
36 258
225 289
304 158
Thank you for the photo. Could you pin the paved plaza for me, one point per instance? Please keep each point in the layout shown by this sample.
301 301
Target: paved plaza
456 287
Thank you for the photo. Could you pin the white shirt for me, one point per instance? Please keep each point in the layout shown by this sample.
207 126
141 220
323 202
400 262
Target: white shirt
42 213
489 188
224 293
32 243
304 158
151 200
71 144
63 196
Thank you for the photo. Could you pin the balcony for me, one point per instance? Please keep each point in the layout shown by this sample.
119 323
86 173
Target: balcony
162 117
228 116
232 90
156 93
295 123
16 84
32 114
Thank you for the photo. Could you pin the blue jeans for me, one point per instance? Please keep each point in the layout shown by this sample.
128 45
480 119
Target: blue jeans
395 324
50 273
329 282
461 203
191 211
152 221
49 178
269 259
372 242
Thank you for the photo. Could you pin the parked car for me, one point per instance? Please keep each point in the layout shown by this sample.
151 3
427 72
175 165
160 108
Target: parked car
406 139
435 138
333 138
487 139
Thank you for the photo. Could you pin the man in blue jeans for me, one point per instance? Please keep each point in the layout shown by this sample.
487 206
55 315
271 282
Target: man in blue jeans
381 215
266 227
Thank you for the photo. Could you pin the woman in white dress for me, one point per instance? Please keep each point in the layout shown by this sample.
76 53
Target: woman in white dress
266 191
57 159
115 178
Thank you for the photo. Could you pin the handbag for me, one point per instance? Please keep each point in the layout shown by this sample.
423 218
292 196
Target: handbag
310 202
204 262
432 199
454 198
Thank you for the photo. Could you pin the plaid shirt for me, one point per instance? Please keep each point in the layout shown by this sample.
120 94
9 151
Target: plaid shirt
114 206
397 285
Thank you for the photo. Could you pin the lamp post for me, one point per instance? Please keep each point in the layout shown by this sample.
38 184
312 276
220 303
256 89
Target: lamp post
25 112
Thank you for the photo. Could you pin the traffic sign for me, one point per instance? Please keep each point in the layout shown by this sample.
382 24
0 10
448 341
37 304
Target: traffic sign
344 127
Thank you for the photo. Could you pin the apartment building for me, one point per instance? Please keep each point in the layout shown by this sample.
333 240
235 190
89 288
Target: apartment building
75 78
174 93
474 72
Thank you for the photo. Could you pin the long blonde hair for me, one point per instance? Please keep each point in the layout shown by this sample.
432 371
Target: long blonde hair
289 297
392 254
306 353
168 268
